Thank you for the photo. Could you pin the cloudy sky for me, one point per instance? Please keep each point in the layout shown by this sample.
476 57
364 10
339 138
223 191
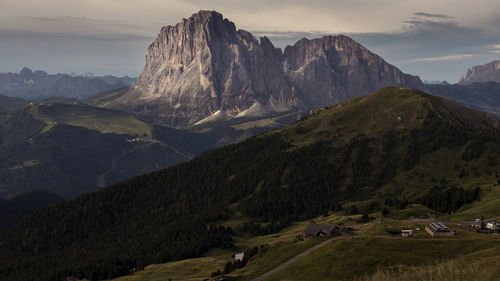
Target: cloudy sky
435 39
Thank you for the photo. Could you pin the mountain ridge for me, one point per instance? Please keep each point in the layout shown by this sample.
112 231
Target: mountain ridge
204 64
483 96
39 84
489 72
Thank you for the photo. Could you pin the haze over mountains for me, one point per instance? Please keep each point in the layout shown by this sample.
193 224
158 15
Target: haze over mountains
35 85
205 68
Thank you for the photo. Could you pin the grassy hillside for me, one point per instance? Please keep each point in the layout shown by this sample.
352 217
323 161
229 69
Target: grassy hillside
384 151
338 260
373 253
74 149
484 269
10 103
92 118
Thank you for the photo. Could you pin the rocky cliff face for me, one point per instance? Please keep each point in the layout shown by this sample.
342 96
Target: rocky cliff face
205 69
204 66
39 84
334 68
482 73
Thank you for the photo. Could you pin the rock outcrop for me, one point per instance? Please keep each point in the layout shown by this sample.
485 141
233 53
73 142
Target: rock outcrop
482 73
204 67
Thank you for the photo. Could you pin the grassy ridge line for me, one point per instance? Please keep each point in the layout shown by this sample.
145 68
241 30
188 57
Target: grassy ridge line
93 118
11 103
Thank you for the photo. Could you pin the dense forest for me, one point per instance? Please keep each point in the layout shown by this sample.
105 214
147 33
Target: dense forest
273 179
18 206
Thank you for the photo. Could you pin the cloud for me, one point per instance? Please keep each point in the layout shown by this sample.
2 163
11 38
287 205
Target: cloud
442 58
433 46
496 49
40 35
86 22
440 16
42 18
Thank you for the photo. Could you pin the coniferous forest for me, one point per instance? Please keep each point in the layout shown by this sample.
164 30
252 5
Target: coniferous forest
176 213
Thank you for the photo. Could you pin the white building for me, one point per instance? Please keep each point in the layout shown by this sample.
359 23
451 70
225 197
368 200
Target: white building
406 233
493 226
239 256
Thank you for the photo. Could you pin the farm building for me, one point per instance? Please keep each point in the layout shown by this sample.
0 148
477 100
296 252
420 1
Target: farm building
239 256
438 229
406 233
319 230
493 226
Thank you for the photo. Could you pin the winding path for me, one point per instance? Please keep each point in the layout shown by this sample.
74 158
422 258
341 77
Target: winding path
299 256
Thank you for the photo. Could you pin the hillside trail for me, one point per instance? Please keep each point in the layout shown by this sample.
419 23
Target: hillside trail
299 256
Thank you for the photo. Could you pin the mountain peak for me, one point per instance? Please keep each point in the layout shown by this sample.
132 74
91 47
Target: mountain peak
206 16
209 18
208 22
204 65
26 73
389 109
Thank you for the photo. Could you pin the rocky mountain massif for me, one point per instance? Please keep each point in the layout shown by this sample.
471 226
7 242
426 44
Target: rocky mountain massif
394 147
482 73
35 85
205 69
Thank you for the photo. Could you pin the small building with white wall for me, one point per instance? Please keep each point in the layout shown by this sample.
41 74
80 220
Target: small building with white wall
493 226
239 256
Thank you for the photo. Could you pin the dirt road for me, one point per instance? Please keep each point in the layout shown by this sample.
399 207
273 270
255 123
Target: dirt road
299 256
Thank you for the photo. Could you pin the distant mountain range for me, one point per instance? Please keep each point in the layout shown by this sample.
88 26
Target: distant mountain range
35 85
483 96
482 73
204 69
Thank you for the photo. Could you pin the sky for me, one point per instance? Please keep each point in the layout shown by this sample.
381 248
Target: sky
434 39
